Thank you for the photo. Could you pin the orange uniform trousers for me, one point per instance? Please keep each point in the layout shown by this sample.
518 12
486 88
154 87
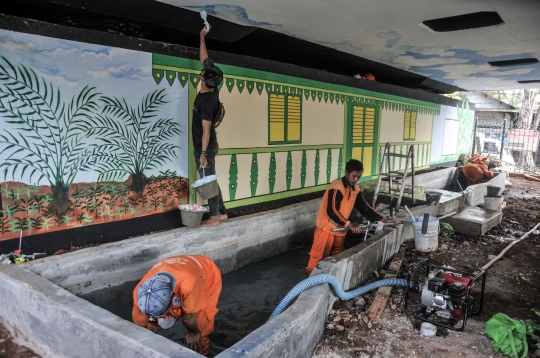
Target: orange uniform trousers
206 324
324 244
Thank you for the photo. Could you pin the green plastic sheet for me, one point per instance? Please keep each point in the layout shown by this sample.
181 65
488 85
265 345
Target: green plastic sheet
509 336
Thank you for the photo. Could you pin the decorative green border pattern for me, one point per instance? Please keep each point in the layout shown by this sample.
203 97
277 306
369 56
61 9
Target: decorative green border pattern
314 90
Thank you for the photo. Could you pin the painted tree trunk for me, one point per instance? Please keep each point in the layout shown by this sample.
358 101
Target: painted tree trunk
138 182
60 198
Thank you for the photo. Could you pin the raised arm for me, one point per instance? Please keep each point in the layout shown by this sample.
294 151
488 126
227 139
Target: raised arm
203 53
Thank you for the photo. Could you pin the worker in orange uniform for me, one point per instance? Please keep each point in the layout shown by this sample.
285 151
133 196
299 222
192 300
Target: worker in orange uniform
180 286
369 77
474 172
341 196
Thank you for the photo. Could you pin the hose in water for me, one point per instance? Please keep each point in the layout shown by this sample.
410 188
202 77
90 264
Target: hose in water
325 278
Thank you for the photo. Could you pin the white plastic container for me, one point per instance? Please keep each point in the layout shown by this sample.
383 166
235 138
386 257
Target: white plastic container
429 241
493 202
428 330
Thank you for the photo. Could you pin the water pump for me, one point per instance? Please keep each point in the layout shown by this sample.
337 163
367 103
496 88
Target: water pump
445 296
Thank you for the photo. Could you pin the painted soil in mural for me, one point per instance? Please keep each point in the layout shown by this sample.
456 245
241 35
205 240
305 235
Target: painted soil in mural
35 210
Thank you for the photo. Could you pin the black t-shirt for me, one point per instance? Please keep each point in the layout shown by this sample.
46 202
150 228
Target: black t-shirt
204 108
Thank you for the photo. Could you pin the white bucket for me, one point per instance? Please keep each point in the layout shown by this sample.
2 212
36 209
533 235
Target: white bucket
493 202
428 329
430 240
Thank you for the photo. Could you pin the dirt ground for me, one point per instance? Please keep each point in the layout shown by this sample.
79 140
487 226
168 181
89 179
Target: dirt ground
9 349
512 287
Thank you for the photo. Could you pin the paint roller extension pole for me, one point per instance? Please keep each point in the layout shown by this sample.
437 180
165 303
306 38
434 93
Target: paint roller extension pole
486 266
463 193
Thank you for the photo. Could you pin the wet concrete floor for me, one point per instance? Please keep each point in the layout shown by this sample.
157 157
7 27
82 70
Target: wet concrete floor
248 298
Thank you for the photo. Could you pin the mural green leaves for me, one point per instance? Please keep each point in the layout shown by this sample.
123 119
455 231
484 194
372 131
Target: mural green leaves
254 174
132 140
272 173
233 177
317 163
303 170
288 172
47 141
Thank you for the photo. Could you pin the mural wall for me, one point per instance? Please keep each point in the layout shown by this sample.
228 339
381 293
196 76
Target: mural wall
452 133
85 136
285 136
93 134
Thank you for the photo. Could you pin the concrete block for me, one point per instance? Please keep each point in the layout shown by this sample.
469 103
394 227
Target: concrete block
474 221
475 193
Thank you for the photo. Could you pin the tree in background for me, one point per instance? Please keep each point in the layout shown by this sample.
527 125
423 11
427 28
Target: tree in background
511 97
525 120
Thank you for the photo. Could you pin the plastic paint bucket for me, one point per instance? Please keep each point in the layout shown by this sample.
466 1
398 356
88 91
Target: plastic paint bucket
191 218
433 197
207 187
493 202
429 241
493 190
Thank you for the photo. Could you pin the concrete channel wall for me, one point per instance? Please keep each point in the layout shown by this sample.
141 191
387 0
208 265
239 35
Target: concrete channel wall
100 274
297 331
41 302
47 316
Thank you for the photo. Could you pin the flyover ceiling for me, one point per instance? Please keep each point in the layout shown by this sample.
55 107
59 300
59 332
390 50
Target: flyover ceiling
385 37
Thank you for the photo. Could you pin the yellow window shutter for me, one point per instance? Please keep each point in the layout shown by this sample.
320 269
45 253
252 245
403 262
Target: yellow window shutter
293 119
358 125
407 125
277 118
413 125
369 124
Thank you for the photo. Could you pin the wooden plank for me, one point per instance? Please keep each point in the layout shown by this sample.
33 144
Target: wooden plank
379 303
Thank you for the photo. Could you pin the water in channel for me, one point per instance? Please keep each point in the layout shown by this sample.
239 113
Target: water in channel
248 298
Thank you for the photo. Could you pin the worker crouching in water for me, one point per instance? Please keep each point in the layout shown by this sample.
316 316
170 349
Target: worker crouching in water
180 286
474 172
341 196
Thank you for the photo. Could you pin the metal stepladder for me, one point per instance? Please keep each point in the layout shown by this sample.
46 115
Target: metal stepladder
392 175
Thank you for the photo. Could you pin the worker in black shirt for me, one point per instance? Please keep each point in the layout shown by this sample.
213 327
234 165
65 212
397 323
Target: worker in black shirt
203 132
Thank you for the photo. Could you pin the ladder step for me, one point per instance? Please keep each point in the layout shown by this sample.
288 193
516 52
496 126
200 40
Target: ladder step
392 175
398 155
395 174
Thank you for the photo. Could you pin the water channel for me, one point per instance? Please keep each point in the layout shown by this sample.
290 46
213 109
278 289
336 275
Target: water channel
249 296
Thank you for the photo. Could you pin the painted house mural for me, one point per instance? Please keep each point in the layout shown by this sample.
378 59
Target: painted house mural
93 134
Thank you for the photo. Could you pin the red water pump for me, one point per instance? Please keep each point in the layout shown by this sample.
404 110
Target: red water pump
445 296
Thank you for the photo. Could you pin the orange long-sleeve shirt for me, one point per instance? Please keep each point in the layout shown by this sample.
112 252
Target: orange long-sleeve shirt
337 204
198 281
475 173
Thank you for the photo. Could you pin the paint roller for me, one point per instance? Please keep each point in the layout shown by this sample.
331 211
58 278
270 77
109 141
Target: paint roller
206 24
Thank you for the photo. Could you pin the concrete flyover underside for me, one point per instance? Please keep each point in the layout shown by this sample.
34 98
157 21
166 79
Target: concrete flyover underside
59 305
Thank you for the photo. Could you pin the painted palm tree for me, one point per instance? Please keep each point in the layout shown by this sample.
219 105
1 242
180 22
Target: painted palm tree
42 135
131 140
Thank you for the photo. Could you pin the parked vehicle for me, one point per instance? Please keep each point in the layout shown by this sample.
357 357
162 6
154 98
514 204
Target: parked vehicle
491 148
